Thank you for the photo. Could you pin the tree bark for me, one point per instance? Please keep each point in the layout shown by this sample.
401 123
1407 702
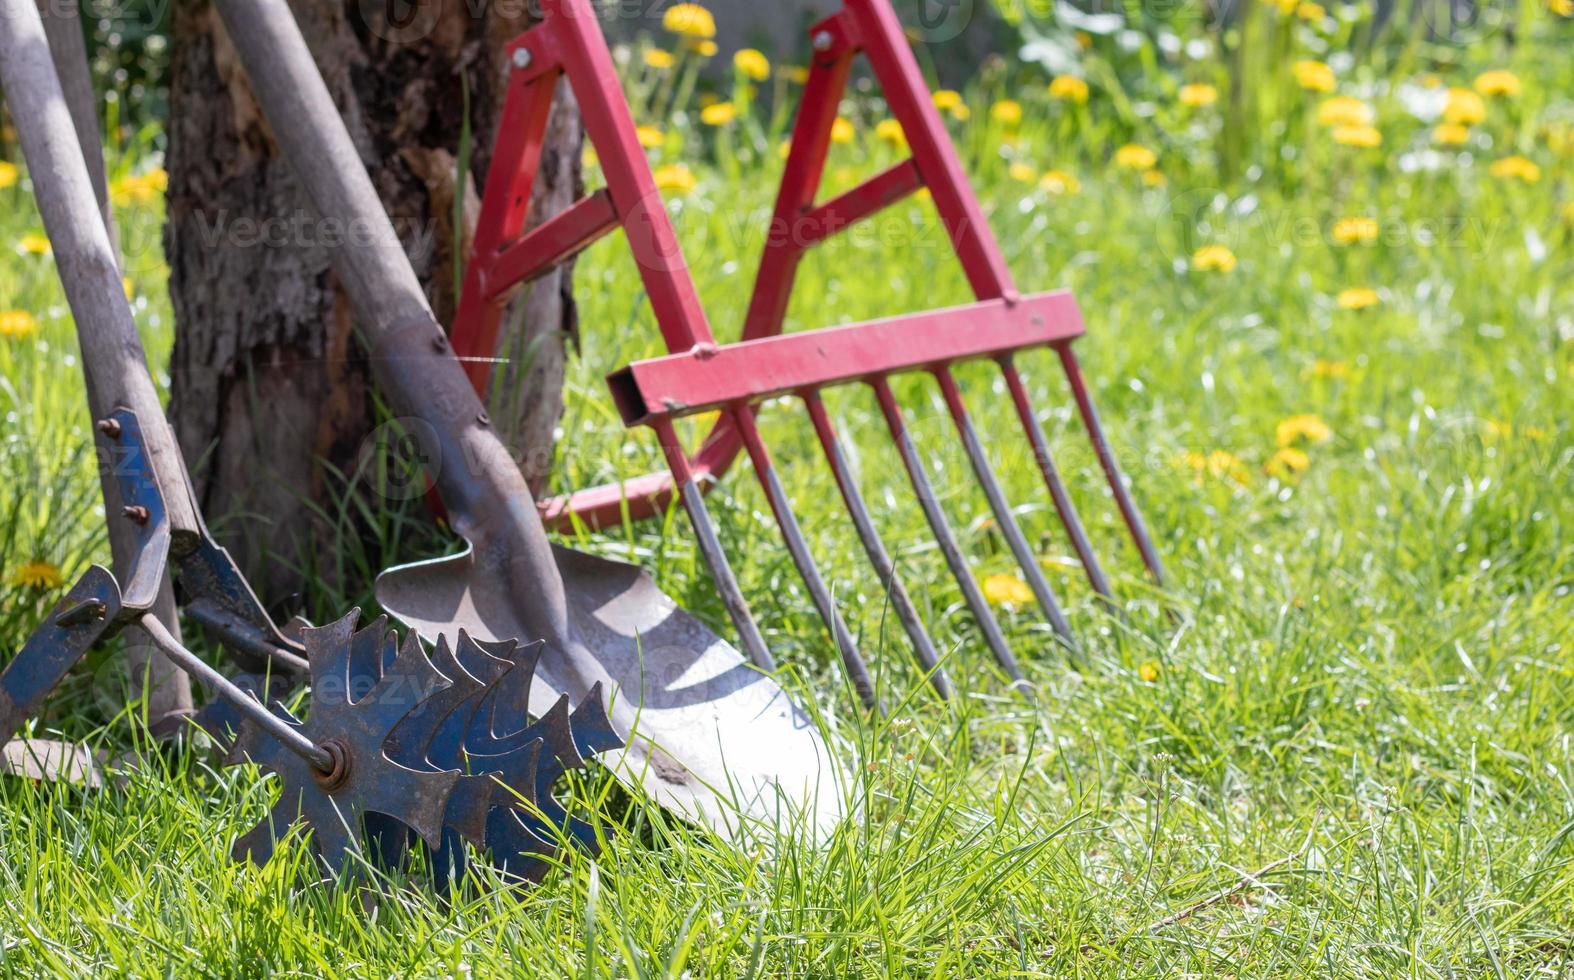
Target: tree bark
271 393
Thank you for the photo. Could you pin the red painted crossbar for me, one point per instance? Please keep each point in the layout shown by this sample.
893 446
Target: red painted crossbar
555 241
711 377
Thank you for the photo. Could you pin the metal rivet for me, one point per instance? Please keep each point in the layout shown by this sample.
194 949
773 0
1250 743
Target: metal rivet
109 427
522 57
483 419
88 611
136 514
439 342
823 41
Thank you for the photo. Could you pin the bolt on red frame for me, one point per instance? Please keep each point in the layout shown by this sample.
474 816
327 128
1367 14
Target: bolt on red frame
700 376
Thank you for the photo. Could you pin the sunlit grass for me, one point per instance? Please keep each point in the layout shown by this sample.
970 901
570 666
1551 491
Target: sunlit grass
1362 662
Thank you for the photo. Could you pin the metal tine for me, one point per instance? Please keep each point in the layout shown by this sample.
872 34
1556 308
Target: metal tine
901 603
1006 520
710 549
1057 488
1112 474
798 548
942 531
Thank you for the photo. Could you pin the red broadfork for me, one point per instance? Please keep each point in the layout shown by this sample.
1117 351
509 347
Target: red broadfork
701 375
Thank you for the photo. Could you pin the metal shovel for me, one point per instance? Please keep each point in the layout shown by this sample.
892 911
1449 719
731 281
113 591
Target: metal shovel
709 736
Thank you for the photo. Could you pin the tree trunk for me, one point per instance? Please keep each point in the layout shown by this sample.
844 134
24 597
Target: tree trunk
271 393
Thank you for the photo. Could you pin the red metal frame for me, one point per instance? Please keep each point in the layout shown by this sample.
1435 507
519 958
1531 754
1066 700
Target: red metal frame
700 375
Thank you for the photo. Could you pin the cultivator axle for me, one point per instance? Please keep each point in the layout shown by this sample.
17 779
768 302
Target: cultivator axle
700 375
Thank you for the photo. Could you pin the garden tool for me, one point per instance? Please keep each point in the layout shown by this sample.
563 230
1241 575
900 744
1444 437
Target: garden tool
701 376
707 734
371 696
163 690
159 523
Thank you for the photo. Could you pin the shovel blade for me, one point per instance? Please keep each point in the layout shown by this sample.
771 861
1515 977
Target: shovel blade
708 735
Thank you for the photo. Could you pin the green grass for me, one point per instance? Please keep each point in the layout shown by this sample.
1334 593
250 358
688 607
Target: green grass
1365 672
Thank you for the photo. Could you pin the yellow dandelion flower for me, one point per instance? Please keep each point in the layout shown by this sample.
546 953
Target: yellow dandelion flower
1197 95
9 174
1365 137
719 114
1059 182
132 189
705 49
1314 76
1310 11
1152 178
34 244
1286 7
1135 157
1213 258
1342 110
1563 8
1351 231
1331 370
1006 112
949 101
37 574
797 74
1219 464
1068 88
1007 590
689 20
1022 172
752 64
890 132
650 137
659 59
1303 428
1358 298
128 287
1497 82
676 178
157 178
1464 108
842 130
16 324
1450 134
1515 168
1288 464
1148 672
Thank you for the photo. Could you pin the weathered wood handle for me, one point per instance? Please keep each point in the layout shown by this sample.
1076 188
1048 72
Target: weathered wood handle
112 356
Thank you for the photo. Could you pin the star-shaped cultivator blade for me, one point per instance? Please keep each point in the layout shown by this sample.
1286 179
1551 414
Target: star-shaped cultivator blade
364 684
436 749
488 731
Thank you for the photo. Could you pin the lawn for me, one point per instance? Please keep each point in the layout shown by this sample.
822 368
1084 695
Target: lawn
1341 380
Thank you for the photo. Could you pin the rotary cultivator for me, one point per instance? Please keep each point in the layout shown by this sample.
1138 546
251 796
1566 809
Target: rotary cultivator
523 659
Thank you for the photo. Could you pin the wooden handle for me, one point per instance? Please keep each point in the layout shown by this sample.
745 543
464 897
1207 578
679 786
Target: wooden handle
112 355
